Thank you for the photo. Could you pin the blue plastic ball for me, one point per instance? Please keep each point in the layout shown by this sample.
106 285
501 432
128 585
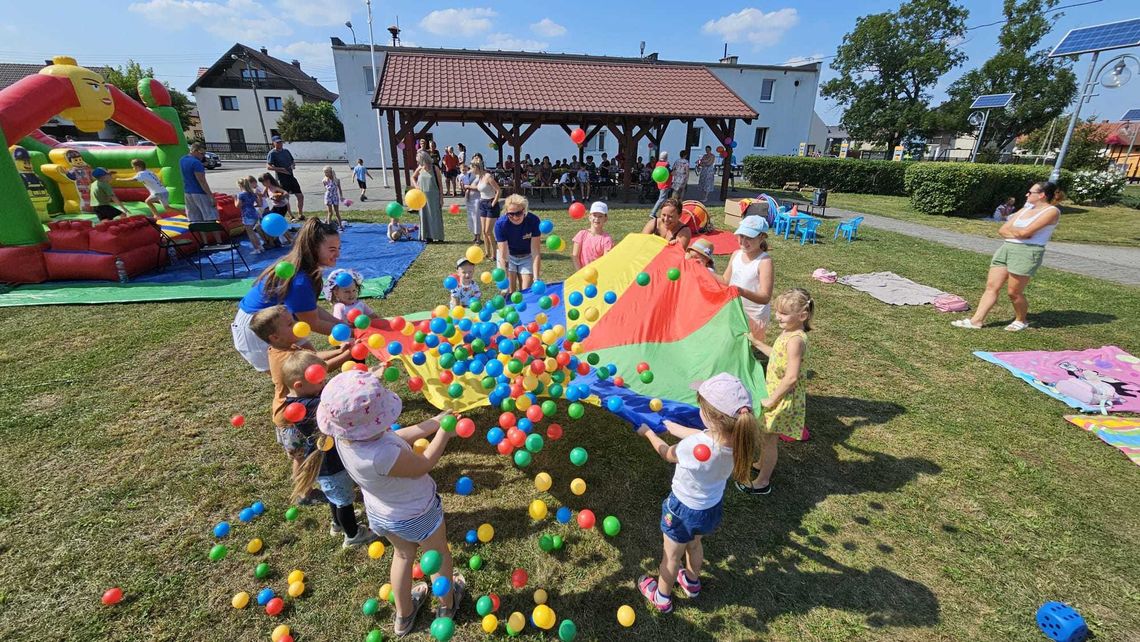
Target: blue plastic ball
437 325
419 358
246 515
450 283
464 485
495 435
431 340
575 298
258 508
614 404
222 529
341 332
264 595
343 280
440 586
274 224
546 226
395 348
591 290
459 368
503 285
609 297
582 330
539 287
524 425
494 368
472 537
563 515
464 324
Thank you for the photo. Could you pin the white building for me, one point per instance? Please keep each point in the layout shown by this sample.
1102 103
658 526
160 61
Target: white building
783 95
241 97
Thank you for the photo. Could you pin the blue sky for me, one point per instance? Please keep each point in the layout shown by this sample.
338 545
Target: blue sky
178 36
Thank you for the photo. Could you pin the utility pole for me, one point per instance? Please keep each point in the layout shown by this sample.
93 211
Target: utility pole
375 80
256 100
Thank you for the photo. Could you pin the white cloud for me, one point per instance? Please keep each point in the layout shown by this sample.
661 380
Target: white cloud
803 60
548 28
507 42
753 26
325 13
232 19
465 22
316 57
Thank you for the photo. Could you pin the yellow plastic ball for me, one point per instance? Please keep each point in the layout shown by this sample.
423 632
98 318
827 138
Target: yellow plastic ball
296 576
296 589
475 254
559 329
590 274
516 622
385 593
578 486
591 314
458 312
347 365
441 311
540 318
577 348
523 402
420 445
551 364
240 600
280 631
408 330
253 546
655 404
375 341
325 443
486 278
540 596
625 615
542 482
543 617
333 341
376 550
485 533
507 330
490 623
530 382
548 336
301 329
537 510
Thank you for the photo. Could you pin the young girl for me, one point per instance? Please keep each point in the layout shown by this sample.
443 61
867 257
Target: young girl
345 299
277 197
705 460
467 289
157 192
399 494
247 202
786 405
471 200
332 197
750 270
591 243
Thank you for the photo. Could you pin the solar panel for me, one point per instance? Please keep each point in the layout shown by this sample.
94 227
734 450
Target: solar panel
992 101
1114 35
1133 114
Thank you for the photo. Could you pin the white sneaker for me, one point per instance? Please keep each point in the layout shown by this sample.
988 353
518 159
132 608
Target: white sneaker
363 536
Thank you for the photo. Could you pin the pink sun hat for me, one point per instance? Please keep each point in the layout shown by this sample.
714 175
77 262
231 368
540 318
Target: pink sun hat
356 406
724 392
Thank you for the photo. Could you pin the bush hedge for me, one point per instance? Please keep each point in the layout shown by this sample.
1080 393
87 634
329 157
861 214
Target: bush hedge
850 175
969 189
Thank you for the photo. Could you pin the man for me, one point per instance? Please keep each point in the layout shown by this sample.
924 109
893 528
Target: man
199 197
665 187
281 162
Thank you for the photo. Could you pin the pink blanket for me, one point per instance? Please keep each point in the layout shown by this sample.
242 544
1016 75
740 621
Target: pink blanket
1105 365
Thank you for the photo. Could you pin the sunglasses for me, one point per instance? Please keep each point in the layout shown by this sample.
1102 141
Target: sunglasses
516 214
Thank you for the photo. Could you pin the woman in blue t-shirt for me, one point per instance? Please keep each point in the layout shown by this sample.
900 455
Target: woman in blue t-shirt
519 243
317 246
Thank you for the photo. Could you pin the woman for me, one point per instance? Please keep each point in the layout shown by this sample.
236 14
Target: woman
546 173
317 246
1017 260
668 226
462 154
428 179
706 171
520 243
489 192
680 175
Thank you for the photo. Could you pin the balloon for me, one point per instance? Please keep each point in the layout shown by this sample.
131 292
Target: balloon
490 623
430 562
218 552
284 270
253 546
542 482
441 586
567 631
519 578
626 616
578 136
113 596
486 533
578 456
394 209
442 628
240 600
274 606
660 174
261 571
702 452
537 509
577 211
415 199
475 254
578 486
376 550
370 606
586 519
274 224
611 525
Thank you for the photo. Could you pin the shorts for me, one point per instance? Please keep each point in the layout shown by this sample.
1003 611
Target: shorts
250 220
362 184
163 196
288 183
338 488
200 207
683 524
249 345
283 210
416 529
1020 259
106 212
520 264
486 210
291 439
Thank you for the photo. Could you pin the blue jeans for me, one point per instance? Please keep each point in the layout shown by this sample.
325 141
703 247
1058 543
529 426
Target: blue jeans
661 198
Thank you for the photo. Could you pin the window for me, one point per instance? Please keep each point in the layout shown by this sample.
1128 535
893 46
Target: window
273 103
229 103
761 140
598 142
253 74
369 81
766 87
694 137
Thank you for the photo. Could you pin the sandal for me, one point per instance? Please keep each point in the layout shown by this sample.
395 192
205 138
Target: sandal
749 489
1016 326
458 588
965 323
402 626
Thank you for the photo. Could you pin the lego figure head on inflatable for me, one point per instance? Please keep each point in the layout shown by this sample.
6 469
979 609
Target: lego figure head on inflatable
95 103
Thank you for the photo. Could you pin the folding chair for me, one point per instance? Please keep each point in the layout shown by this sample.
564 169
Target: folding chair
205 231
178 247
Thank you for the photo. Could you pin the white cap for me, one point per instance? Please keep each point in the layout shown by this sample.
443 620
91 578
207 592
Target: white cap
599 207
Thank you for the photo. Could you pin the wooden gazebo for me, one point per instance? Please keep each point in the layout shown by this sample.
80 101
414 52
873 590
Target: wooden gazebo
510 95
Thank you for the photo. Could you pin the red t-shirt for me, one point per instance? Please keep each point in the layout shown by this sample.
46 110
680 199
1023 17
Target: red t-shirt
668 181
450 161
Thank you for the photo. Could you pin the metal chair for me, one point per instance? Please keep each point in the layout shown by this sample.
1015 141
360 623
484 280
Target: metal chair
204 231
175 247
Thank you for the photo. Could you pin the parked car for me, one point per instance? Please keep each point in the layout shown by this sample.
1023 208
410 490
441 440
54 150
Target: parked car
212 161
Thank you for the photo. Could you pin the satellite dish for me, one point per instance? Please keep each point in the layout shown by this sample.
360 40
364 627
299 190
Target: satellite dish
977 118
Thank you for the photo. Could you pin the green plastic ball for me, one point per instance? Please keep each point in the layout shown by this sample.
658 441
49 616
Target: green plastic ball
642 278
660 174
375 635
534 442
285 270
218 552
516 297
593 358
573 314
484 605
475 305
449 421
576 410
514 366
558 542
557 377
362 322
647 376
544 302
370 606
475 563
553 242
442 628
261 571
673 274
497 302
391 374
291 514
455 390
546 543
523 458
461 353
567 631
578 456
498 274
447 361
487 383
549 407
513 317
394 209
611 526
478 346
507 405
555 391
430 562
419 336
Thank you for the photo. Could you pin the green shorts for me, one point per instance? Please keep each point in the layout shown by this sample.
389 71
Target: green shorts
1019 258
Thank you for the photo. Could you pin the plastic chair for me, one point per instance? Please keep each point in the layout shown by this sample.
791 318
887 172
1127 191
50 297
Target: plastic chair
205 233
782 224
806 229
849 228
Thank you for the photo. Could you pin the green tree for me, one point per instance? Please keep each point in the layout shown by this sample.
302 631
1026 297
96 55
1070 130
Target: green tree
1086 149
127 78
889 63
1044 86
310 121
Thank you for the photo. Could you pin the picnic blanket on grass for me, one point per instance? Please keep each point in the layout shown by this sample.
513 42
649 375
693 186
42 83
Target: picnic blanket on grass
723 241
1107 367
1121 432
891 288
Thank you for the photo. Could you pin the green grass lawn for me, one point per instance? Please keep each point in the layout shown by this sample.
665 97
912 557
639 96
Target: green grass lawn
939 497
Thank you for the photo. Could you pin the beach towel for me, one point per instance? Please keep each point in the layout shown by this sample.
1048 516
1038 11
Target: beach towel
1121 432
1080 378
891 288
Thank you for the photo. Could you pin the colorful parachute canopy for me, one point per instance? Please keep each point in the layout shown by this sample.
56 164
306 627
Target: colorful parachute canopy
686 329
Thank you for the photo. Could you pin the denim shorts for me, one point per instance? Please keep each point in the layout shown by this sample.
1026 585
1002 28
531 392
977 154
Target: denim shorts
338 488
486 210
520 264
416 529
682 524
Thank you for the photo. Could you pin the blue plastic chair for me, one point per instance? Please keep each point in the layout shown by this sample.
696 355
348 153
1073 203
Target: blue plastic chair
806 229
849 228
783 223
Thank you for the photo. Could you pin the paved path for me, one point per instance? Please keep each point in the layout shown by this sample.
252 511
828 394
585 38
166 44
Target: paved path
1117 264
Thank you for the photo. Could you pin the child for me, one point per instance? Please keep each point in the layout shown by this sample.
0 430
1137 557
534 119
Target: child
398 231
332 197
247 202
593 242
1005 209
360 173
321 465
399 494
565 181
277 197
467 289
103 196
750 270
158 192
584 181
785 407
468 184
705 460
701 251
346 299
274 325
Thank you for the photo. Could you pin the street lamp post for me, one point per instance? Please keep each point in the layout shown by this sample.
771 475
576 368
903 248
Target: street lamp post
1117 77
348 23
256 100
379 127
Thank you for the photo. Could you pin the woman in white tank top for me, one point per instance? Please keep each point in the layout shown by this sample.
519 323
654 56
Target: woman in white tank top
750 270
1026 233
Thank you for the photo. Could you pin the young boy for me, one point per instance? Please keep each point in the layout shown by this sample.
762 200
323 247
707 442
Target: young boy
275 326
332 478
467 289
360 173
158 191
103 196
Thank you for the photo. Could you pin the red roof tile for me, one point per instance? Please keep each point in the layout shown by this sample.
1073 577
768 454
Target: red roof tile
486 82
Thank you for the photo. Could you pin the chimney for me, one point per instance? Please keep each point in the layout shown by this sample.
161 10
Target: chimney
264 51
729 60
296 63
651 57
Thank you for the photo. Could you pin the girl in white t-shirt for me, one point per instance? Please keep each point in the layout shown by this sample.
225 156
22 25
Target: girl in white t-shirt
705 460
399 494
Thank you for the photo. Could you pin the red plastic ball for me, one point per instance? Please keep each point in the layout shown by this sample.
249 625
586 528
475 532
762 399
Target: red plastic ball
465 428
583 368
424 326
454 209
577 211
563 359
586 518
619 381
534 413
538 367
505 447
359 352
519 578
360 367
274 606
294 412
555 300
702 452
579 137
507 420
285 638
532 327
533 343
398 323
352 314
517 438
112 596
554 432
495 604
517 390
415 383
417 572
642 367
237 421
446 376
316 373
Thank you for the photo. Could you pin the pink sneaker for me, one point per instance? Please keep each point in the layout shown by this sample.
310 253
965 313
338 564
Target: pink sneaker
690 589
648 587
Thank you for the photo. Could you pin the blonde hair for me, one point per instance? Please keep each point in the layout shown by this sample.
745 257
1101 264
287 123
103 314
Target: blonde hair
795 301
264 321
423 159
328 172
514 200
743 431
245 184
298 361
477 166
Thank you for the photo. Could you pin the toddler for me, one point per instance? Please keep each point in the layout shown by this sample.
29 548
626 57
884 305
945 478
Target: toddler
345 299
467 289
1005 209
156 190
584 181
321 464
247 203
399 494
593 242
701 251
332 197
705 460
277 198
785 409
398 231
361 174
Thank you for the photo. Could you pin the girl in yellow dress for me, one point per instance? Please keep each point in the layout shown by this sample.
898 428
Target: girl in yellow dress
786 405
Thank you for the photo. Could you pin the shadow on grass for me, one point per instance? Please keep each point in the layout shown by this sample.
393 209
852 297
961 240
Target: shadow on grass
1067 318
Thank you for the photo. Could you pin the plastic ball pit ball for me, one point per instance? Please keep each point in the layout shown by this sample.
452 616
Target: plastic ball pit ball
370 606
486 533
222 529
519 578
237 421
484 605
464 486
442 628
441 586
660 174
113 596
578 486
578 136
578 456
375 635
642 278
673 274
261 571
296 576
543 617
611 526
475 563
701 452
296 589
542 482
240 600
415 198
291 514
577 211
274 607
537 510
655 404
490 623
567 631
376 550
218 552
253 546
563 515
586 519
625 615
430 562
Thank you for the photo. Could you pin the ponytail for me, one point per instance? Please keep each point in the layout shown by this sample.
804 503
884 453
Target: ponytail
307 472
743 431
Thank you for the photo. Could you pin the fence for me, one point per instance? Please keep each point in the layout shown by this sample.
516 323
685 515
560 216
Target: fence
239 151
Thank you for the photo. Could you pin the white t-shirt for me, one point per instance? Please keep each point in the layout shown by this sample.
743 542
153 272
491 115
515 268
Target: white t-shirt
387 499
700 484
150 181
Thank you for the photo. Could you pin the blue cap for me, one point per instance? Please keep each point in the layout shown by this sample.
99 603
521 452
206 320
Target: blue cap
99 172
277 139
752 226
